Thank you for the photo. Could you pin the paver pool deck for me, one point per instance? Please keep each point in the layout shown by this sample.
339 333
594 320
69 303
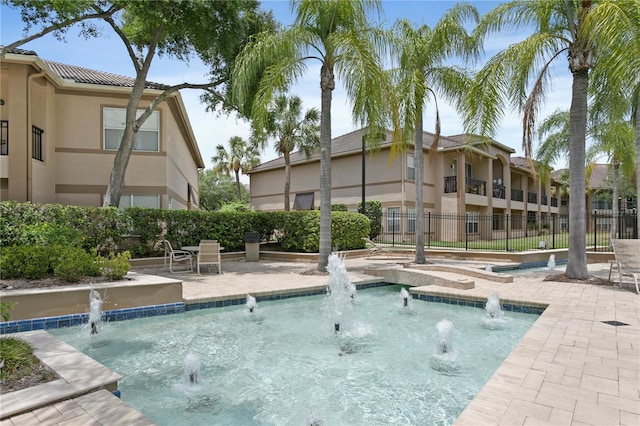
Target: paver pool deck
570 368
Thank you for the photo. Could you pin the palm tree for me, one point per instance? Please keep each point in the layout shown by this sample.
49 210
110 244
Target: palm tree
611 134
561 29
241 157
291 131
422 52
336 34
621 74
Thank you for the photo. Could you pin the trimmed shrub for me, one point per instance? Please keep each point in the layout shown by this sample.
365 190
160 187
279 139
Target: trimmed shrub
373 210
339 208
74 263
30 262
116 266
100 228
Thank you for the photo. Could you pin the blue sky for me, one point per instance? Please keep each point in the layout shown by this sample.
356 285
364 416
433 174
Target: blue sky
107 53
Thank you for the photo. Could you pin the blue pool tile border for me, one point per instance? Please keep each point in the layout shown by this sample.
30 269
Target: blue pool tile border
527 265
180 307
511 307
79 319
272 297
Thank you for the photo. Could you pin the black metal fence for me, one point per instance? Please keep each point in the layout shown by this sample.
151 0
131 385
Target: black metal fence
500 232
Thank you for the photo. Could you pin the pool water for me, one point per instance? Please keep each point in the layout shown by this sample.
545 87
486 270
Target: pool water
283 364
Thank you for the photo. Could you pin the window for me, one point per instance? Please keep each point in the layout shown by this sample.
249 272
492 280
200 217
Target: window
36 143
411 220
467 170
564 223
4 137
147 138
393 219
149 201
303 201
411 168
601 203
473 223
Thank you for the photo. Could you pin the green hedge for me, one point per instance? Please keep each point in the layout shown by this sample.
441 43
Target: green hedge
91 228
102 229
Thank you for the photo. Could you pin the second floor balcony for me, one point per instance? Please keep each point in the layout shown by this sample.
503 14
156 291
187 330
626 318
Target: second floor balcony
472 186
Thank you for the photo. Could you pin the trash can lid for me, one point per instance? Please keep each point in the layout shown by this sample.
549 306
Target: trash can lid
251 237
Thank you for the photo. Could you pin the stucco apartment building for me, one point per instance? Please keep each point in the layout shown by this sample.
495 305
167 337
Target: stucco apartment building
60 129
463 175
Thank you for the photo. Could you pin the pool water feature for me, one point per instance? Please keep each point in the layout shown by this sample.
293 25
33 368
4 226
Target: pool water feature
284 364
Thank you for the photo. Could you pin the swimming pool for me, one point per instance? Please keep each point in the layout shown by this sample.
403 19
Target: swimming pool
284 363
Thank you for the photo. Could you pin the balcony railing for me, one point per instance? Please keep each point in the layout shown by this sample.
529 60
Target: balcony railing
517 194
532 197
475 186
4 137
499 191
554 202
450 184
544 200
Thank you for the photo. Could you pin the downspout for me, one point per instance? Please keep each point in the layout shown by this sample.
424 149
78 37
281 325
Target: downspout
29 125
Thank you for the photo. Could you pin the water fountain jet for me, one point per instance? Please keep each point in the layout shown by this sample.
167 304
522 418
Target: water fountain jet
340 293
445 336
404 295
191 366
251 302
552 261
493 308
95 310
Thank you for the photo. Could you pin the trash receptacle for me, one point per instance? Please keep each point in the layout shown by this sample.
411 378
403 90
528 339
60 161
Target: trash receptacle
252 246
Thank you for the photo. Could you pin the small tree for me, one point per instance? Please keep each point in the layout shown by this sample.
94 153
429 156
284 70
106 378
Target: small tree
218 189
291 131
241 157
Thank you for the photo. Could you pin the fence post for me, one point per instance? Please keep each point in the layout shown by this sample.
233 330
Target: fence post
393 228
553 231
429 229
466 231
595 229
506 218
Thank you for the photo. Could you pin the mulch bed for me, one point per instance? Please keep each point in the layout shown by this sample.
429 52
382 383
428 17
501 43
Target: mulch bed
47 282
591 280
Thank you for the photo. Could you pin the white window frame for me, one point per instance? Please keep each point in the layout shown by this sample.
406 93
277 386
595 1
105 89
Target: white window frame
130 200
113 121
411 220
472 222
393 222
411 167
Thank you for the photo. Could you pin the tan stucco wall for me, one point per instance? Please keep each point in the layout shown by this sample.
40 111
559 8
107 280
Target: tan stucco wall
75 300
75 168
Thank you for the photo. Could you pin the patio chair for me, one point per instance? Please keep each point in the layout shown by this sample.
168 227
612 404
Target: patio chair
176 256
627 260
209 254
375 249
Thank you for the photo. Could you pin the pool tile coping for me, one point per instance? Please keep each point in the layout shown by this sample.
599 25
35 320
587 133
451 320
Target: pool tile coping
78 374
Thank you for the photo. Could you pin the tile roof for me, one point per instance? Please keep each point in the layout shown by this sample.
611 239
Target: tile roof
351 143
599 174
521 162
87 75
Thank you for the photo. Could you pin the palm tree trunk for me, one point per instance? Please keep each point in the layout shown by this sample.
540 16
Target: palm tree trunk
287 179
638 163
327 85
577 258
614 222
419 207
237 172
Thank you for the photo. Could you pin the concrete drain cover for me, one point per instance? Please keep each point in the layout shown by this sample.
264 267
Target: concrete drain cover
614 323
